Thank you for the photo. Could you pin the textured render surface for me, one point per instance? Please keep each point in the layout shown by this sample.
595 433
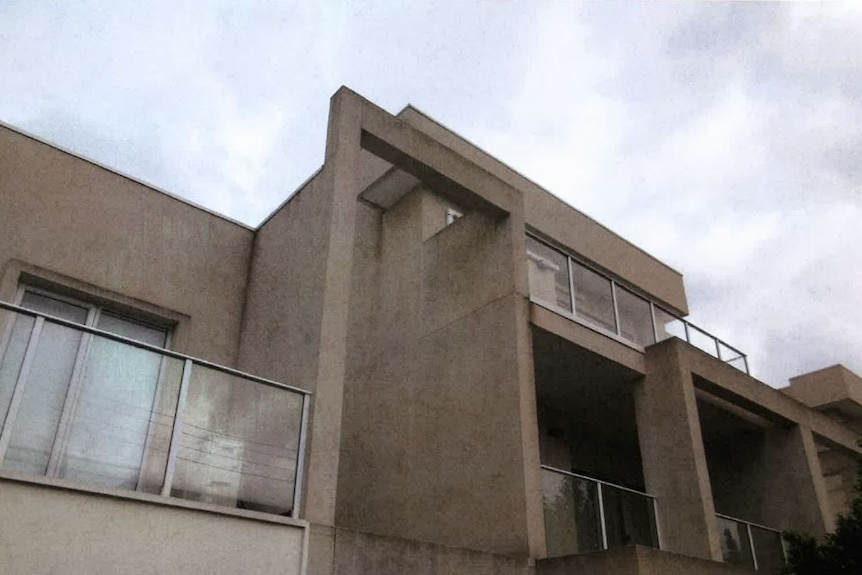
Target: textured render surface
674 461
587 338
772 477
832 386
634 561
59 531
284 304
730 384
360 554
569 227
432 445
112 235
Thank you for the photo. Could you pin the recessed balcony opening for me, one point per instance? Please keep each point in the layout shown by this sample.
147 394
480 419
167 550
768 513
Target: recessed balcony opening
737 443
592 478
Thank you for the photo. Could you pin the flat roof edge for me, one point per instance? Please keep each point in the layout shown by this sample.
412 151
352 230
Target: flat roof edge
506 166
123 175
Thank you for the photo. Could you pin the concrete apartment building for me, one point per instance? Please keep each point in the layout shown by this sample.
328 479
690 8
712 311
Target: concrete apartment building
421 362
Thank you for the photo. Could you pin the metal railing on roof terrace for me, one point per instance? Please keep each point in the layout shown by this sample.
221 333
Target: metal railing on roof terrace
567 286
94 407
583 514
751 545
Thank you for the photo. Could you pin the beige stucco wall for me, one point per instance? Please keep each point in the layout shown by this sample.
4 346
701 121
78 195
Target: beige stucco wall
431 443
635 560
45 530
362 553
79 224
281 328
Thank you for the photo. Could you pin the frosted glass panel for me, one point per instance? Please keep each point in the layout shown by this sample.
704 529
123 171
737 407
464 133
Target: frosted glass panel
549 275
44 395
17 332
239 443
593 300
635 318
121 419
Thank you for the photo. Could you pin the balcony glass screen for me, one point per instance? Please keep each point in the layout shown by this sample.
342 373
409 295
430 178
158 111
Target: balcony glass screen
667 325
768 550
572 517
593 299
90 407
629 518
549 275
239 443
635 317
735 545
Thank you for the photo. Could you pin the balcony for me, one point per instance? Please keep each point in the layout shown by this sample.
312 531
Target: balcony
565 285
750 545
98 409
583 514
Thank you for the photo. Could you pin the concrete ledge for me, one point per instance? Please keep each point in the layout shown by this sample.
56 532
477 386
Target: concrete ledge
45 530
360 553
635 560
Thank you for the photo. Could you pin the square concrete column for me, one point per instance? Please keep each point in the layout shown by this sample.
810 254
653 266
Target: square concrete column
674 461
788 482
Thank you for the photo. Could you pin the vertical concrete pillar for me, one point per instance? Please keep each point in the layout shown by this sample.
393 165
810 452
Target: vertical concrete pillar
340 178
526 378
789 482
341 174
674 461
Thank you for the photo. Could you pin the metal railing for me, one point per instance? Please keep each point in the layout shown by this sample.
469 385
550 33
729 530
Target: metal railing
599 302
751 545
675 326
584 514
94 407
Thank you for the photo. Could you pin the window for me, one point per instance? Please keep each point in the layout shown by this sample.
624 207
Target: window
635 317
89 408
549 275
594 300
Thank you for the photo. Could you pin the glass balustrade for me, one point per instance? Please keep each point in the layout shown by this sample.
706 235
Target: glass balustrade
584 514
750 545
96 408
567 286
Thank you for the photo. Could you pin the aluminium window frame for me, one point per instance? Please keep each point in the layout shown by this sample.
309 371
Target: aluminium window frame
617 335
572 260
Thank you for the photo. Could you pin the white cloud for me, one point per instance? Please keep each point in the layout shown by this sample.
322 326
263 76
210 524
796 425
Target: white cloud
721 137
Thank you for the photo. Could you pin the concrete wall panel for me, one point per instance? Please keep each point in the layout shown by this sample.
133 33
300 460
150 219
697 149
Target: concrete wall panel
74 219
360 553
45 530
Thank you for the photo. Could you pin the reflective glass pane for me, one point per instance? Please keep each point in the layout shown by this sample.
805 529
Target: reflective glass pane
635 318
118 428
15 332
239 443
572 523
735 545
593 299
668 326
132 329
702 340
55 307
549 275
44 396
629 518
767 547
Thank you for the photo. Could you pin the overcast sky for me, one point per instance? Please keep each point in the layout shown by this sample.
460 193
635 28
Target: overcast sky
725 139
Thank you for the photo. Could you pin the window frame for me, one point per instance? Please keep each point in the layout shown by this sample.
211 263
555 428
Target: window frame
616 334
